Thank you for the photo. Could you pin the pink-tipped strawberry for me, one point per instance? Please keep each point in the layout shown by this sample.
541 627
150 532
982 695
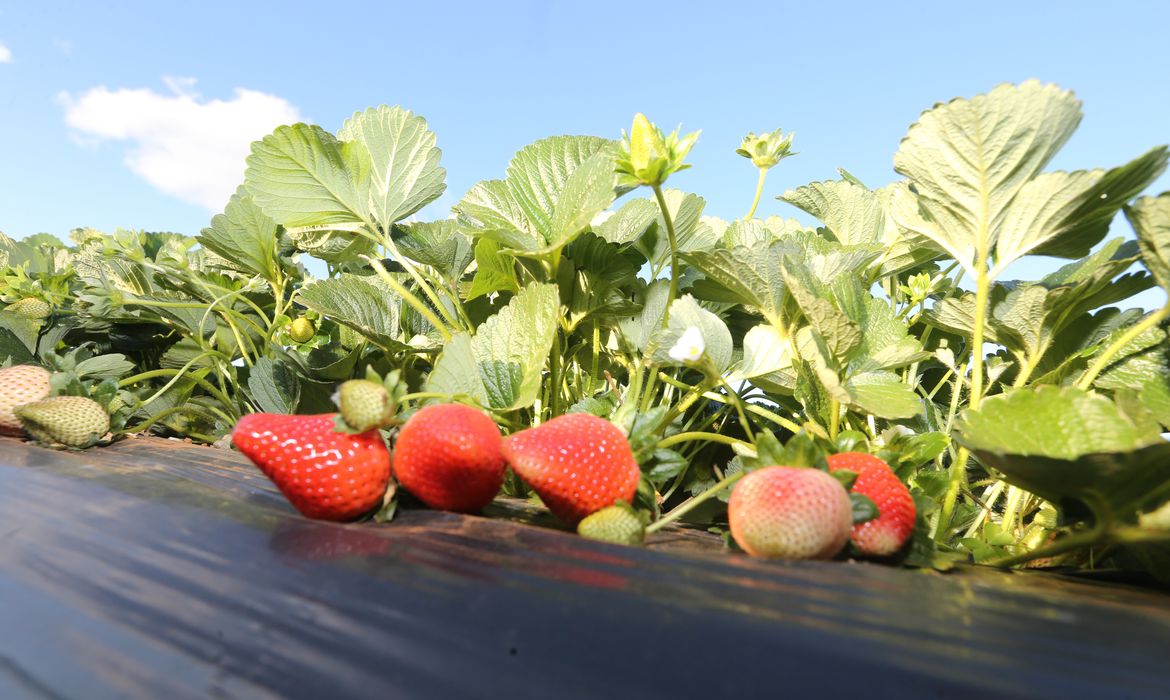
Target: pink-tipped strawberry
577 464
19 385
790 513
324 474
448 456
887 533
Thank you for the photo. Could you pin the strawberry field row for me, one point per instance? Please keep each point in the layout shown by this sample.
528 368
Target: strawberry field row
871 385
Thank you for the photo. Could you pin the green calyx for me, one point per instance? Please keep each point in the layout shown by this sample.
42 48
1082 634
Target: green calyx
647 156
768 149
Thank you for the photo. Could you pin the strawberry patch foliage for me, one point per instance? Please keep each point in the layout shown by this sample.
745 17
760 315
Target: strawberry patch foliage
1025 417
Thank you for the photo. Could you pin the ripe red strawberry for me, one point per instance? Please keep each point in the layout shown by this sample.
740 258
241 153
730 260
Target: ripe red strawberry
324 474
790 513
448 456
885 534
20 384
577 464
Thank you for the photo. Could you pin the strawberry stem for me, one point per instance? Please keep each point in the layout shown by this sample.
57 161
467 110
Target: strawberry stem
698 435
694 502
670 235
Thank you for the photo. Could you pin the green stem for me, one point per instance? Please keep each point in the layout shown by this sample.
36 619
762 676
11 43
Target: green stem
1115 347
759 191
709 437
693 502
958 469
749 407
834 418
673 292
595 364
556 362
141 427
409 298
425 395
989 498
176 374
1015 498
982 291
733 395
1092 536
648 391
693 393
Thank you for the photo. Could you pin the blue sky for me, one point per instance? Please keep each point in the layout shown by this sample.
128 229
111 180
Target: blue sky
134 114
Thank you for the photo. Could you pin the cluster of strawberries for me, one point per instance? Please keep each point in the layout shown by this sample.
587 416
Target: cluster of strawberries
449 456
453 457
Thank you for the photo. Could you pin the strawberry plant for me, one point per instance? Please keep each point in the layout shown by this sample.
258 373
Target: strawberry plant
965 414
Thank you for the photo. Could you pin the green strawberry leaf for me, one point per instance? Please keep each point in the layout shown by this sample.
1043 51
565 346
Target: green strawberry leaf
1063 444
274 386
495 271
439 244
404 174
959 201
883 394
1150 218
244 236
627 224
551 193
685 210
767 360
301 175
364 304
500 367
864 509
664 464
109 366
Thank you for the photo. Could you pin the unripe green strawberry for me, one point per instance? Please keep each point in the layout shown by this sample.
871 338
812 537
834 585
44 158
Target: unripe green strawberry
19 385
74 421
31 308
618 523
790 513
887 533
365 405
301 330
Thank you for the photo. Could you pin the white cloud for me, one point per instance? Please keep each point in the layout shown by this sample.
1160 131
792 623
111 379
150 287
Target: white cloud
5 54
182 144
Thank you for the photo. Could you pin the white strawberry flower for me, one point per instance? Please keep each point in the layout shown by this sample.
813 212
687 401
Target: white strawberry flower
690 346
